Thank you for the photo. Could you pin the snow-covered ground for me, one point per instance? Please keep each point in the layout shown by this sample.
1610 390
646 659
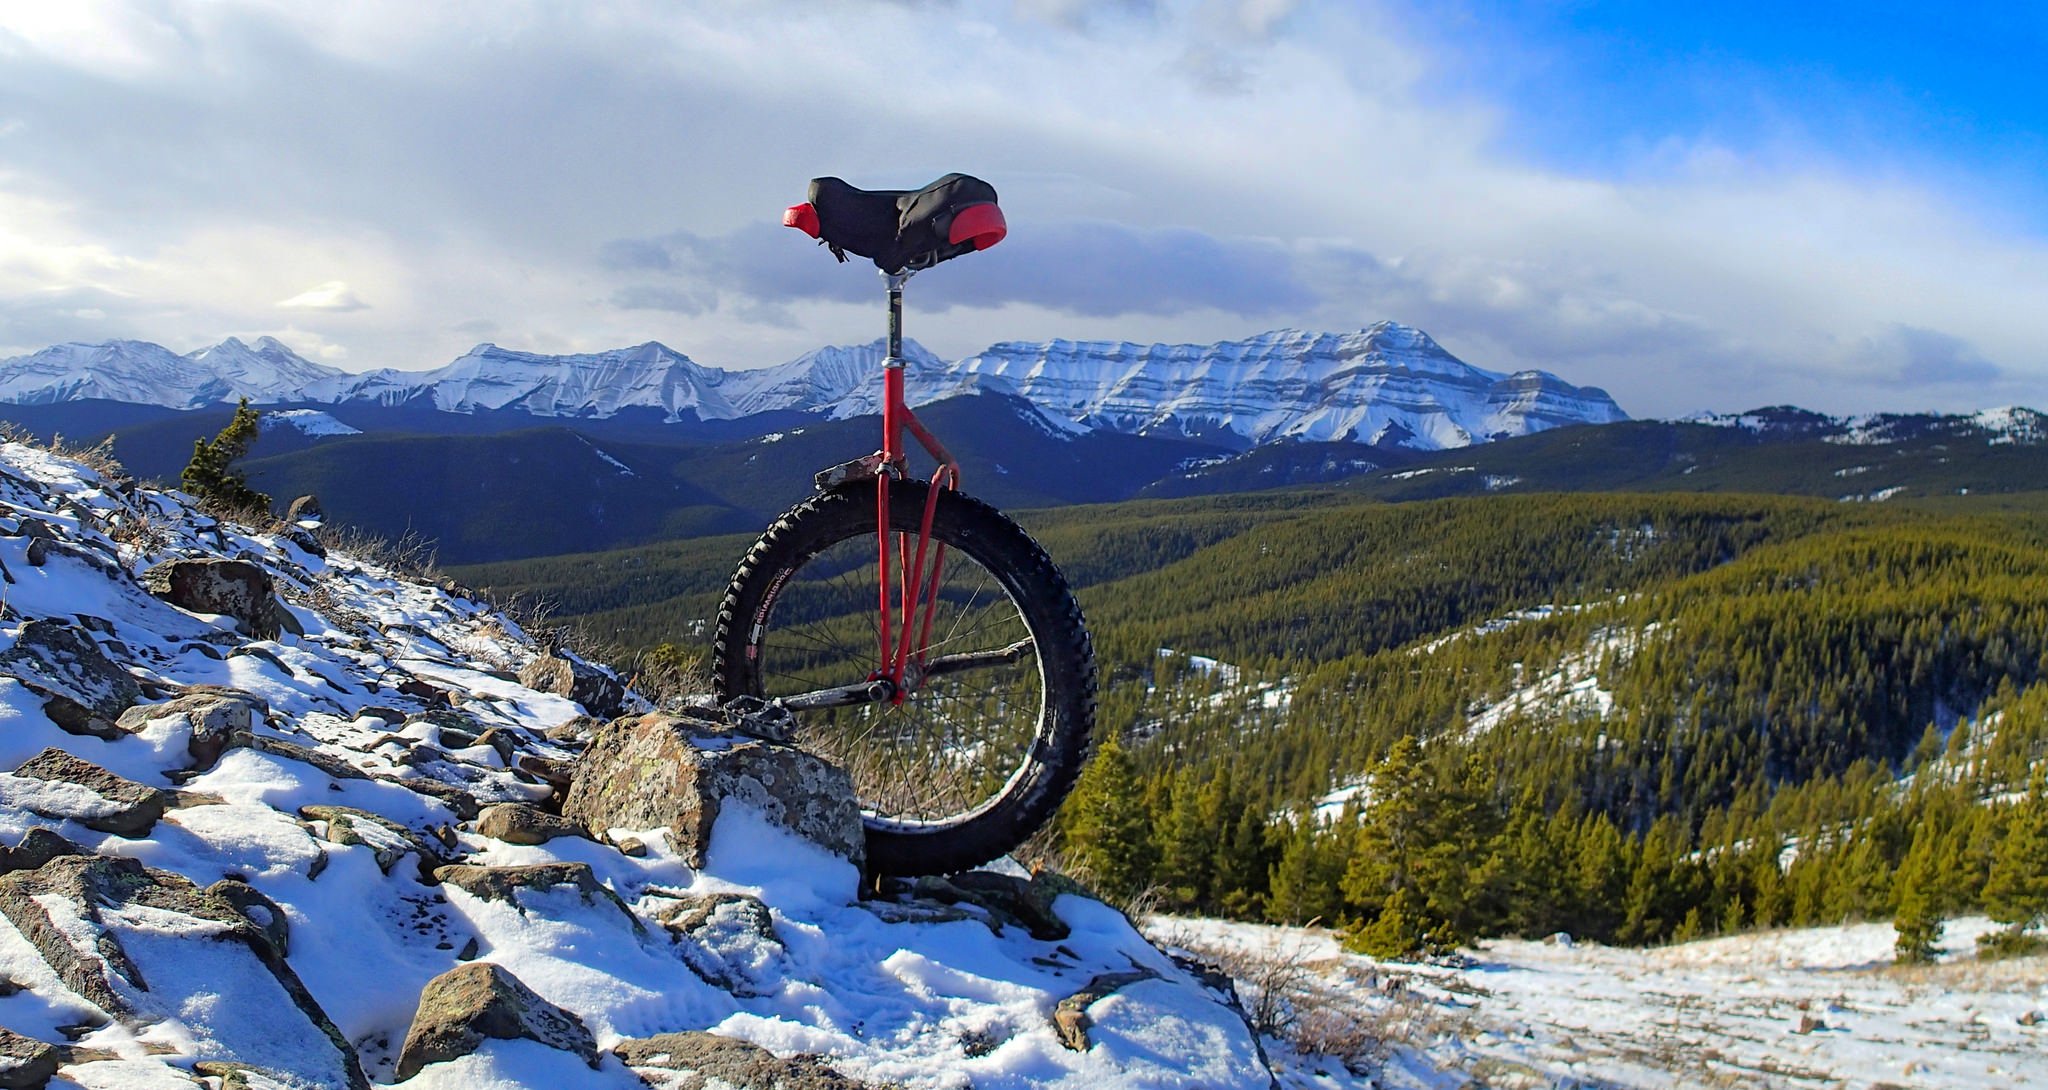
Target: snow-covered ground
393 682
1823 1007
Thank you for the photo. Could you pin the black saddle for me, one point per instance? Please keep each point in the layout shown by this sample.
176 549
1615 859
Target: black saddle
902 230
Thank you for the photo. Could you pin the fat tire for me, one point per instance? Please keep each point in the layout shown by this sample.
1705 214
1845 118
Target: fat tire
1065 654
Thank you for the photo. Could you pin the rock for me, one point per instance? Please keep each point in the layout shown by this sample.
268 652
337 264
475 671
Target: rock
467 1004
729 939
25 1063
305 509
601 694
631 846
2031 1018
519 823
464 804
575 731
37 847
216 716
506 884
1809 1023
292 751
660 771
1070 1019
234 588
419 689
1007 899
148 946
257 909
500 741
707 1061
556 774
55 784
241 1076
387 840
86 691
304 539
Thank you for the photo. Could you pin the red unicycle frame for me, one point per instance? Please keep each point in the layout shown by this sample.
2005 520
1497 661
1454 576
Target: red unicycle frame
909 565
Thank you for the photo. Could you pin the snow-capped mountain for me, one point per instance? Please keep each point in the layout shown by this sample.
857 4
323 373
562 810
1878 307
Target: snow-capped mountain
139 372
591 384
2011 424
836 381
1389 385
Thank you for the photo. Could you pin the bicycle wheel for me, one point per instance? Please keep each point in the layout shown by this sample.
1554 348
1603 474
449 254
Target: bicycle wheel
981 749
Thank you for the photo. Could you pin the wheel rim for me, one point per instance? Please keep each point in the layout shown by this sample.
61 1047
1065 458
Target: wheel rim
956 744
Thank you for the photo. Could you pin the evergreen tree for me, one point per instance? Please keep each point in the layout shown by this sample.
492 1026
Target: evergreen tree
210 476
2016 892
1918 919
1108 827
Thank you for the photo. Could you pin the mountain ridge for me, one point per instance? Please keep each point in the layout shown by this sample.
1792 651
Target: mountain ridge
1388 385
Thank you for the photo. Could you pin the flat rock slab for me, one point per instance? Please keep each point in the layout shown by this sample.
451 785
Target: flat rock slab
659 771
706 1061
467 1004
25 1062
86 690
37 847
387 839
147 946
56 784
510 885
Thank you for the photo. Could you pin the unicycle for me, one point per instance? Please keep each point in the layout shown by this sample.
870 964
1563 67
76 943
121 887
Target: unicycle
920 639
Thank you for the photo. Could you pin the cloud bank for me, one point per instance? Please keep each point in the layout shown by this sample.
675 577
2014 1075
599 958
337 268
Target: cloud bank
576 179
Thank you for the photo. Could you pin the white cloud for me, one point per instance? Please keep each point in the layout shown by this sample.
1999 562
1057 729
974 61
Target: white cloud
333 295
467 166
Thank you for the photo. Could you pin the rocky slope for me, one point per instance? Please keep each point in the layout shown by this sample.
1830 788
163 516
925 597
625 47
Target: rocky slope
279 817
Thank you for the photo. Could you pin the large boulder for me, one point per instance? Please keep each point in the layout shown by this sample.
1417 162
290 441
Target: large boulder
56 784
215 716
84 691
147 946
464 1006
663 772
234 588
601 694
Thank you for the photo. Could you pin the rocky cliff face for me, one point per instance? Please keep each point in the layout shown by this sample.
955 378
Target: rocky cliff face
276 816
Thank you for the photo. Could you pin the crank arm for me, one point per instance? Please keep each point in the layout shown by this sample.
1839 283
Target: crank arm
843 696
977 660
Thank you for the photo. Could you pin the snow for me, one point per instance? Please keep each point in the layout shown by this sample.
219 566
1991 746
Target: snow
309 422
1718 1012
1389 382
884 999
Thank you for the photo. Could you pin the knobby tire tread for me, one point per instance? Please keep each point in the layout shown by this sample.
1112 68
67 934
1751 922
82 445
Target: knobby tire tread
1064 648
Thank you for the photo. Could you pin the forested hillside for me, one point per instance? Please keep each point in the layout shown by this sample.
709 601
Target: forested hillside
1627 716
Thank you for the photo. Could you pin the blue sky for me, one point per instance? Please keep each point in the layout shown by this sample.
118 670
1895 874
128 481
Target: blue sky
1954 92
1696 209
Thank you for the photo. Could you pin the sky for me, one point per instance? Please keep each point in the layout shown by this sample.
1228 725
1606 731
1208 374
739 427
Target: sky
1694 207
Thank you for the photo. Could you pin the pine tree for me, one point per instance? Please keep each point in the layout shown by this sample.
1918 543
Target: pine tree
1918 919
2016 892
209 476
1108 827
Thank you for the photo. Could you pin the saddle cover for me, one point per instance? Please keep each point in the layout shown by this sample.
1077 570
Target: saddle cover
902 230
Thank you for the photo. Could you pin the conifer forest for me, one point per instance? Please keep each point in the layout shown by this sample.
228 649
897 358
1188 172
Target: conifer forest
1632 718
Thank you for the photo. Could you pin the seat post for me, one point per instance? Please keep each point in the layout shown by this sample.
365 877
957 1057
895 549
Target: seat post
895 282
